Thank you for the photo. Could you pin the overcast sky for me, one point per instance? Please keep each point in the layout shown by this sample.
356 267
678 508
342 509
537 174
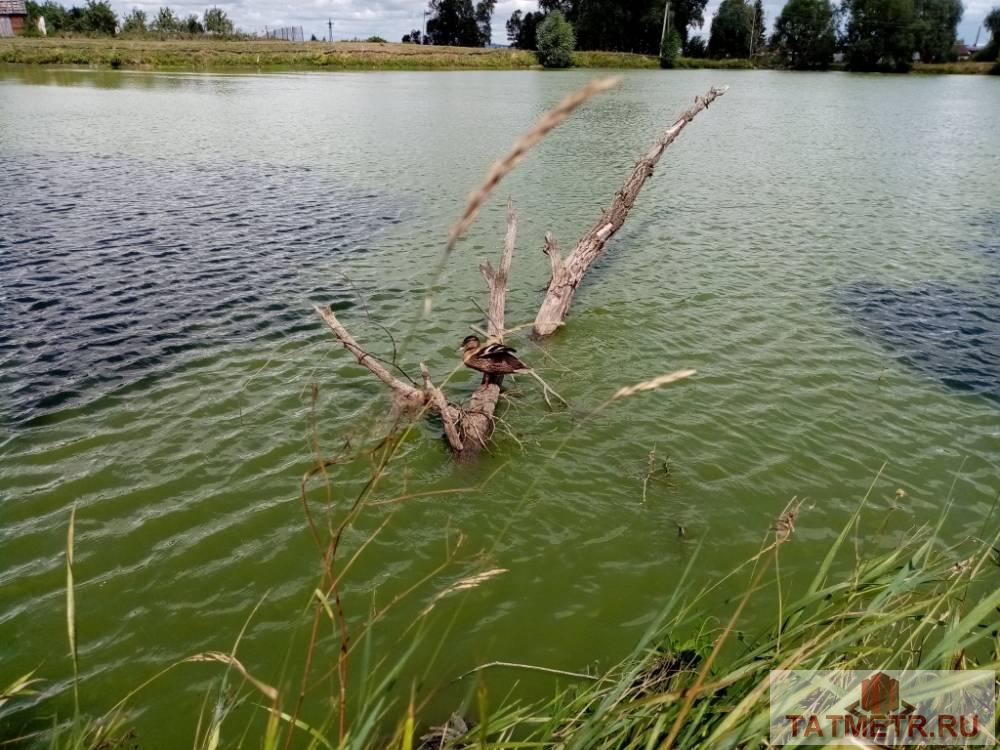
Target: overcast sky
393 18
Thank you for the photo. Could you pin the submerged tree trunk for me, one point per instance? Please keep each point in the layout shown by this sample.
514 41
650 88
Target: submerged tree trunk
569 272
468 428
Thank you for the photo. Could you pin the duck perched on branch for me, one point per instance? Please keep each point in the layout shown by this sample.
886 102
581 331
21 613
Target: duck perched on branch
493 359
498 360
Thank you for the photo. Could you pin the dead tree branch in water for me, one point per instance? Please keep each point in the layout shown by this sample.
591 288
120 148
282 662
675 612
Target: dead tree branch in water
567 274
468 427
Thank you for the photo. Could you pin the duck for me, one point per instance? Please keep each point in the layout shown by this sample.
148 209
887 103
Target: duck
492 359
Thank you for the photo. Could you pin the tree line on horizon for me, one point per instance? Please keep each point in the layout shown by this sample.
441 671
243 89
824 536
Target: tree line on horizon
98 18
871 34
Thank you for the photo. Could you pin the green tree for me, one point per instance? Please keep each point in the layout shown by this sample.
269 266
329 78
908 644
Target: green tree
879 34
696 47
805 34
731 30
687 14
934 26
522 30
192 25
217 22
99 18
992 50
166 22
134 22
484 21
453 22
670 50
556 41
758 24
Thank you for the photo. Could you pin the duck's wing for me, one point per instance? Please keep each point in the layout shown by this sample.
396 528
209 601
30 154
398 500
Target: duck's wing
495 351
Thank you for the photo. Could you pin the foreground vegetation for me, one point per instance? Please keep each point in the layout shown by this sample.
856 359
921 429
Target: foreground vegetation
692 681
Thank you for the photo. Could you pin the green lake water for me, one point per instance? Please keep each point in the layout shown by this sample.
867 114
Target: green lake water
823 248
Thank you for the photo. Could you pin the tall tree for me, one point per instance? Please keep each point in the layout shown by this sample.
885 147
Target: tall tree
805 34
556 41
992 22
484 21
134 22
453 22
731 29
166 22
686 15
934 28
759 41
522 30
217 22
99 18
192 25
879 34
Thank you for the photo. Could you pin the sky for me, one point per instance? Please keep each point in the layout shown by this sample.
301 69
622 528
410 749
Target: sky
391 19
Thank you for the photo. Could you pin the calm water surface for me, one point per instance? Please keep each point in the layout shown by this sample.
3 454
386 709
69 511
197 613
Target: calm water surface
824 249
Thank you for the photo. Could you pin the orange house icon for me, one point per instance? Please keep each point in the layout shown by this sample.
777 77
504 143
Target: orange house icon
880 694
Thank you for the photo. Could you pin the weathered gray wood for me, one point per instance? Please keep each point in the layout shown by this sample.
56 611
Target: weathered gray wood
466 428
476 424
405 396
567 273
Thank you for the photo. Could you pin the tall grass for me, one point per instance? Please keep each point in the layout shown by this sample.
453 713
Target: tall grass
692 680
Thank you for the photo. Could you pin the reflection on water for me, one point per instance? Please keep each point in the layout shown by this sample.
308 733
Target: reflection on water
950 332
133 263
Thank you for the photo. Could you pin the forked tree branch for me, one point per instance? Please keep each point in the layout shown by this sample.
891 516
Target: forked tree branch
569 272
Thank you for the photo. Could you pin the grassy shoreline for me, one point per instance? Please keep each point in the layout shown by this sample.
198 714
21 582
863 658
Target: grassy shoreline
691 681
263 54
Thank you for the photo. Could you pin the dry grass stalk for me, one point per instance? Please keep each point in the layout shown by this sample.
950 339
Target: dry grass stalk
463 584
548 122
784 525
232 661
652 385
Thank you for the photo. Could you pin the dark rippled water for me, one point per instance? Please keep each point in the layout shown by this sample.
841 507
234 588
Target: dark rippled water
949 332
821 248
115 267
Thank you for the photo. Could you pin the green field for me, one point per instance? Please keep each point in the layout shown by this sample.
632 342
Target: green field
266 54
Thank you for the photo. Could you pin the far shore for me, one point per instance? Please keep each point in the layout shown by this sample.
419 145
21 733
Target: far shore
263 54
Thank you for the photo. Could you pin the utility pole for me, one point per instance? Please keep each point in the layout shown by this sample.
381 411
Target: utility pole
666 23
753 29
329 26
425 25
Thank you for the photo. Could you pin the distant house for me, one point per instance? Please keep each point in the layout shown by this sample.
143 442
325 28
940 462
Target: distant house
961 51
13 16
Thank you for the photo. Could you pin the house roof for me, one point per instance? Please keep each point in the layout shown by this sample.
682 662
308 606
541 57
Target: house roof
13 8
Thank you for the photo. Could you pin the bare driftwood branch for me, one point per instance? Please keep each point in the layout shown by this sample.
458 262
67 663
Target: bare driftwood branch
569 272
466 428
450 416
477 416
405 396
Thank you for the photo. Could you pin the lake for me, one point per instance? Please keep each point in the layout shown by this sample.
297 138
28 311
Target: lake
823 248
